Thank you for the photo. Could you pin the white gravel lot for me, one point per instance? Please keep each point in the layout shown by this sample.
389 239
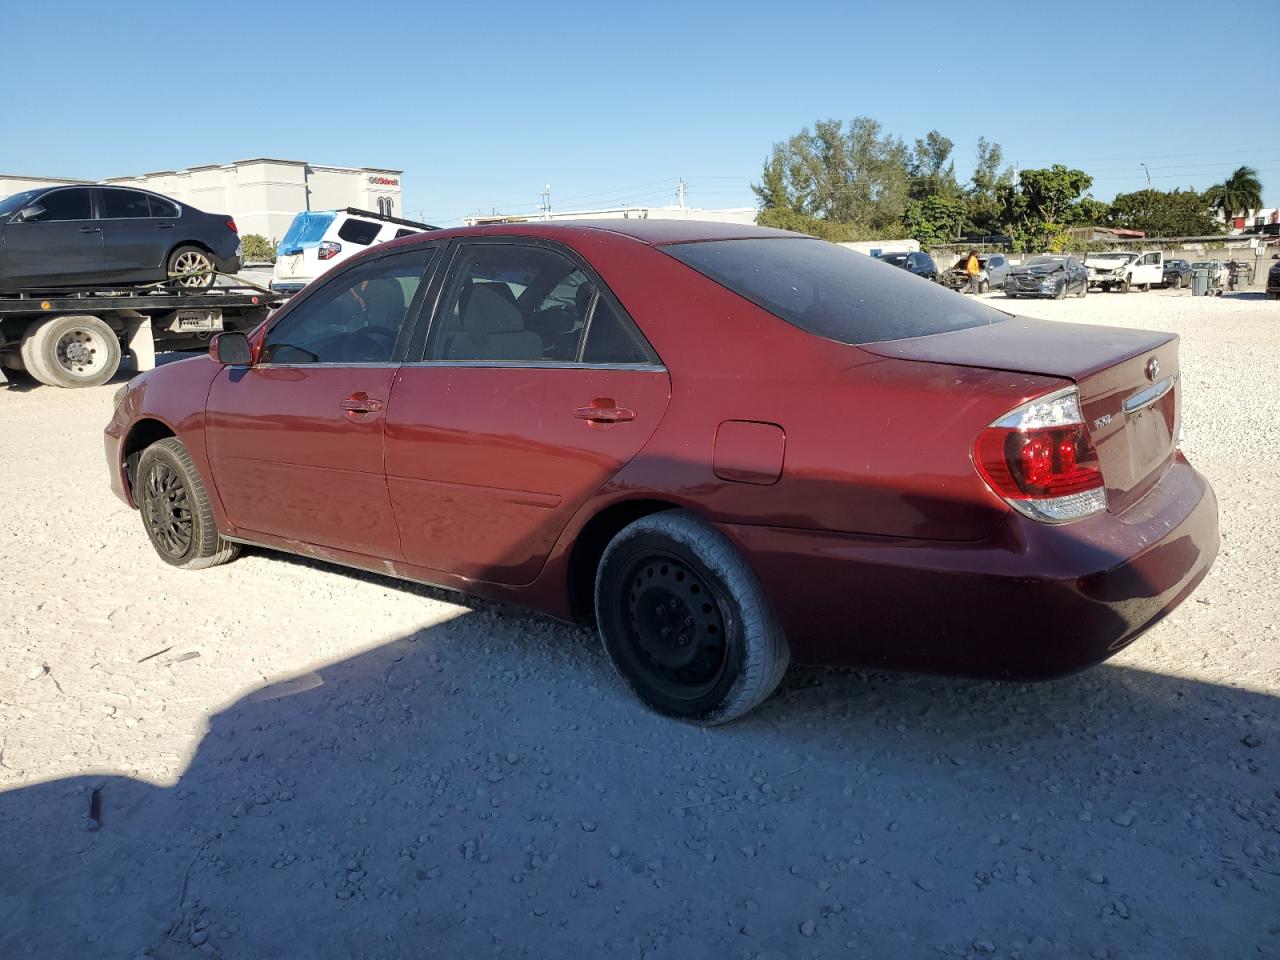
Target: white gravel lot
288 760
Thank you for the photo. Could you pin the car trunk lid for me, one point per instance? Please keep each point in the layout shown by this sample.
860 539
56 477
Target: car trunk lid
1128 382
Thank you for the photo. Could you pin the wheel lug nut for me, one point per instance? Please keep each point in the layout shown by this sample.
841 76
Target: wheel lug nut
660 610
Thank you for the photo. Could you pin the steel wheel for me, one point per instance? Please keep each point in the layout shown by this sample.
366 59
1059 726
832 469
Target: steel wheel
82 352
166 509
675 626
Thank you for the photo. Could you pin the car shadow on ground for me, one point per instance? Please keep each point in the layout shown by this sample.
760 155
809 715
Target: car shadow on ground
485 787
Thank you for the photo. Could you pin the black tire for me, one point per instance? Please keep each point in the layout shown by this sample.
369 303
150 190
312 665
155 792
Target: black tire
1177 281
184 260
685 620
1124 286
1061 292
175 508
984 286
1144 287
1084 289
71 351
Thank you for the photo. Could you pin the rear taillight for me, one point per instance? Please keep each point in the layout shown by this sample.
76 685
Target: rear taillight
231 225
1040 459
328 250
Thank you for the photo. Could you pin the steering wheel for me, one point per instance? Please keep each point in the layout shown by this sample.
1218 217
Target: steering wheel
369 344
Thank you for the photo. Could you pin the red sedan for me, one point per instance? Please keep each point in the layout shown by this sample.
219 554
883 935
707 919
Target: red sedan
727 445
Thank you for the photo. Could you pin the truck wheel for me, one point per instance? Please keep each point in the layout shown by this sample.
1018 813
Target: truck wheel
685 621
1124 286
187 259
71 351
175 508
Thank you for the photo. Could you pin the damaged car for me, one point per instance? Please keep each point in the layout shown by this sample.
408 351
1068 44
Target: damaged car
1056 275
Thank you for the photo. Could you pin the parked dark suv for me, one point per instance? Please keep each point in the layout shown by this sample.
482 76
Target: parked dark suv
72 236
921 264
1177 273
1273 282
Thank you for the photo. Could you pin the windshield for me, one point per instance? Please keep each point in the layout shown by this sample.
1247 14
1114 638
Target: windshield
897 259
1046 261
830 291
1126 257
15 203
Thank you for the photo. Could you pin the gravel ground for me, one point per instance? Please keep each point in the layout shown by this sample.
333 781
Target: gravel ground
278 759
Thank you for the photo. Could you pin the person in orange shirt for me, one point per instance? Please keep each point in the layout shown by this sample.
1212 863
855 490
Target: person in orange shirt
973 268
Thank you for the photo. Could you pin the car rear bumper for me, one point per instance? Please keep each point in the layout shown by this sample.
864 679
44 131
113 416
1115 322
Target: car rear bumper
1033 601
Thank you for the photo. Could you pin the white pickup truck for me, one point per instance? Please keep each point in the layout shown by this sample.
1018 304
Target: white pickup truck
1117 270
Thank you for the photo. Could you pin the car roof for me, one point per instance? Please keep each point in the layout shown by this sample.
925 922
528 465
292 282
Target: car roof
654 232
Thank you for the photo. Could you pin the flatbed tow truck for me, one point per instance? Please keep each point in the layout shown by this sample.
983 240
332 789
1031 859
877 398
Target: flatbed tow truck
76 337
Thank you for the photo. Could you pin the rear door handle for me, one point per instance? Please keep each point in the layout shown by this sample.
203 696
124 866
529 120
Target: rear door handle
90 229
604 410
360 403
164 226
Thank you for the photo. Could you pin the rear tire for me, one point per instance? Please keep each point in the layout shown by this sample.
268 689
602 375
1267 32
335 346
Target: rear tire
71 351
186 259
685 620
176 511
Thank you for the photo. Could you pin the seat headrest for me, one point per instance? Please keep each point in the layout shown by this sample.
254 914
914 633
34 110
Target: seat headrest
487 311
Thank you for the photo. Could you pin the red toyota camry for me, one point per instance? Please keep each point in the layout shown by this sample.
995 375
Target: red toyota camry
727 445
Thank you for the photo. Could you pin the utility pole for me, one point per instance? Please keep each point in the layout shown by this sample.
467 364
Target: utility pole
546 202
680 193
1147 172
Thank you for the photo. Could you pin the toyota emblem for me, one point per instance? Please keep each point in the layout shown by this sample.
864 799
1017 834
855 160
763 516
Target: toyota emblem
1153 369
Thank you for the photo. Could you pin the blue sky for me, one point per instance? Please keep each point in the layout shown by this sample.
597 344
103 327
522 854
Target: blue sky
613 102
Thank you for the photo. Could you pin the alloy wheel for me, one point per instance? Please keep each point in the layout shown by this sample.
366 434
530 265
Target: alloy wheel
166 505
194 263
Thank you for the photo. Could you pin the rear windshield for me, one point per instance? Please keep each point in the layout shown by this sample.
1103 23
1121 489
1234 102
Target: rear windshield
307 230
831 291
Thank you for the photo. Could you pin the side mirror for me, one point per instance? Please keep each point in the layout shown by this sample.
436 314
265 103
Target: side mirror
232 349
33 212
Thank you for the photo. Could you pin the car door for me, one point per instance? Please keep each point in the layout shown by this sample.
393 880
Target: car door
533 388
1148 269
295 441
134 242
62 244
997 268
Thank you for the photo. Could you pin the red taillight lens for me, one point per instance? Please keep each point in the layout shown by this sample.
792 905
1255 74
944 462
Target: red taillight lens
328 250
231 225
1040 459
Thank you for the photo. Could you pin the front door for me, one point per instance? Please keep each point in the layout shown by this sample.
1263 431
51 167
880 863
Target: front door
60 246
295 441
534 389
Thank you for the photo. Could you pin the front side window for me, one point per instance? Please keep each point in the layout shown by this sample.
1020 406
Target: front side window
354 318
832 292
65 205
124 204
361 232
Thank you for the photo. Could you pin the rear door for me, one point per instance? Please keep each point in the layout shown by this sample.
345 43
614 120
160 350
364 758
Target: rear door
63 245
134 242
533 388
295 441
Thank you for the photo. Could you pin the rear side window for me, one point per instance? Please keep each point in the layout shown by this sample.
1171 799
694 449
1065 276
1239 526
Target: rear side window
160 207
124 205
611 339
359 231
832 292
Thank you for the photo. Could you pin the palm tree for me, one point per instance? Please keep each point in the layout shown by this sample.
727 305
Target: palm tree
1240 193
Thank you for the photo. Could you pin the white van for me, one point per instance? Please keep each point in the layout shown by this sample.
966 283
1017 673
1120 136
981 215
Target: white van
317 239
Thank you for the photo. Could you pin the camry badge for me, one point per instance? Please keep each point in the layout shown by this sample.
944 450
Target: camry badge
1102 421
1153 369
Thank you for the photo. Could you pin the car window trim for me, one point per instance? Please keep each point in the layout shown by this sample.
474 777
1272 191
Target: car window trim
406 326
418 348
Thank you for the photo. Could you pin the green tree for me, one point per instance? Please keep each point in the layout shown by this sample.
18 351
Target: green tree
1238 194
854 179
931 169
1164 213
256 248
1044 203
984 208
934 220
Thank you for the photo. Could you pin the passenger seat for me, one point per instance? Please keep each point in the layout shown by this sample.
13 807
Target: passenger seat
492 329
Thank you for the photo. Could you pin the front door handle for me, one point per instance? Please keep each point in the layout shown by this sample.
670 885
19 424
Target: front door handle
604 410
90 229
360 403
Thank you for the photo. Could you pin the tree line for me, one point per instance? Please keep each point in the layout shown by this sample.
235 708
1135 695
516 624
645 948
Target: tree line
857 182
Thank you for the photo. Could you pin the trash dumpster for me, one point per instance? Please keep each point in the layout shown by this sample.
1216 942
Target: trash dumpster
1200 282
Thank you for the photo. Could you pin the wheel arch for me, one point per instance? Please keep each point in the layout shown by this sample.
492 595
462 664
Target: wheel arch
143 433
590 543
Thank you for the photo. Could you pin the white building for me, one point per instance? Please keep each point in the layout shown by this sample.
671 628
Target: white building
673 212
263 195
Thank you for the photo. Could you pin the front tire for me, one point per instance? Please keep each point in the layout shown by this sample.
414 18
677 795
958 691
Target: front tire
1061 292
176 510
685 620
984 286
187 260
